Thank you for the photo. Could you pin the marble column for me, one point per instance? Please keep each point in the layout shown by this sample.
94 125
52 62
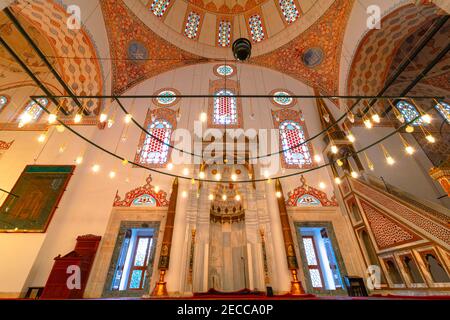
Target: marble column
280 274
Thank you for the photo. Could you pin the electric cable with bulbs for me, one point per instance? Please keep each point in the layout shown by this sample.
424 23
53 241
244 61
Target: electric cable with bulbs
336 123
227 181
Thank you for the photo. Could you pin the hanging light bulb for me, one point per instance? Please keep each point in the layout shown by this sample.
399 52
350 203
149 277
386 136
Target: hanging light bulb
24 119
201 175
369 163
376 118
60 128
266 174
409 150
278 194
367 122
218 176
351 137
237 197
185 171
317 158
95 168
203 117
339 162
79 160
351 117
103 117
409 129
211 197
337 180
184 194
170 166
124 162
334 149
193 182
51 118
41 137
21 124
234 177
224 197
322 185
426 118
128 118
390 161
156 188
354 174
430 138
77 118
112 174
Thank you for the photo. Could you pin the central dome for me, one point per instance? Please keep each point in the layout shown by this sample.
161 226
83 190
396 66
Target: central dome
208 28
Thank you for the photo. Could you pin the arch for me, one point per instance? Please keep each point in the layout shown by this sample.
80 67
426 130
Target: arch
291 135
409 112
443 109
153 152
31 112
4 101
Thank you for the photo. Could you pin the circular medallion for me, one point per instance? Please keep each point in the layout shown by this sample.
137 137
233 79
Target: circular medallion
313 57
137 51
166 97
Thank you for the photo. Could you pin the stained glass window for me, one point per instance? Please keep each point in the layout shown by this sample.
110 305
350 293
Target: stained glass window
141 252
225 70
256 28
282 98
3 102
159 7
292 135
32 111
156 151
444 109
166 97
224 33
135 282
309 251
225 108
192 24
409 112
289 10
313 262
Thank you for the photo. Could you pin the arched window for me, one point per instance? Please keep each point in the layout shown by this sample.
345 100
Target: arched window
444 109
32 111
409 112
292 135
159 7
289 10
256 27
156 151
225 108
224 37
3 102
192 24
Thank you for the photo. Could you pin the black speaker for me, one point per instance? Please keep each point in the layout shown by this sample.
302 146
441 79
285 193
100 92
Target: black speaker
269 291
